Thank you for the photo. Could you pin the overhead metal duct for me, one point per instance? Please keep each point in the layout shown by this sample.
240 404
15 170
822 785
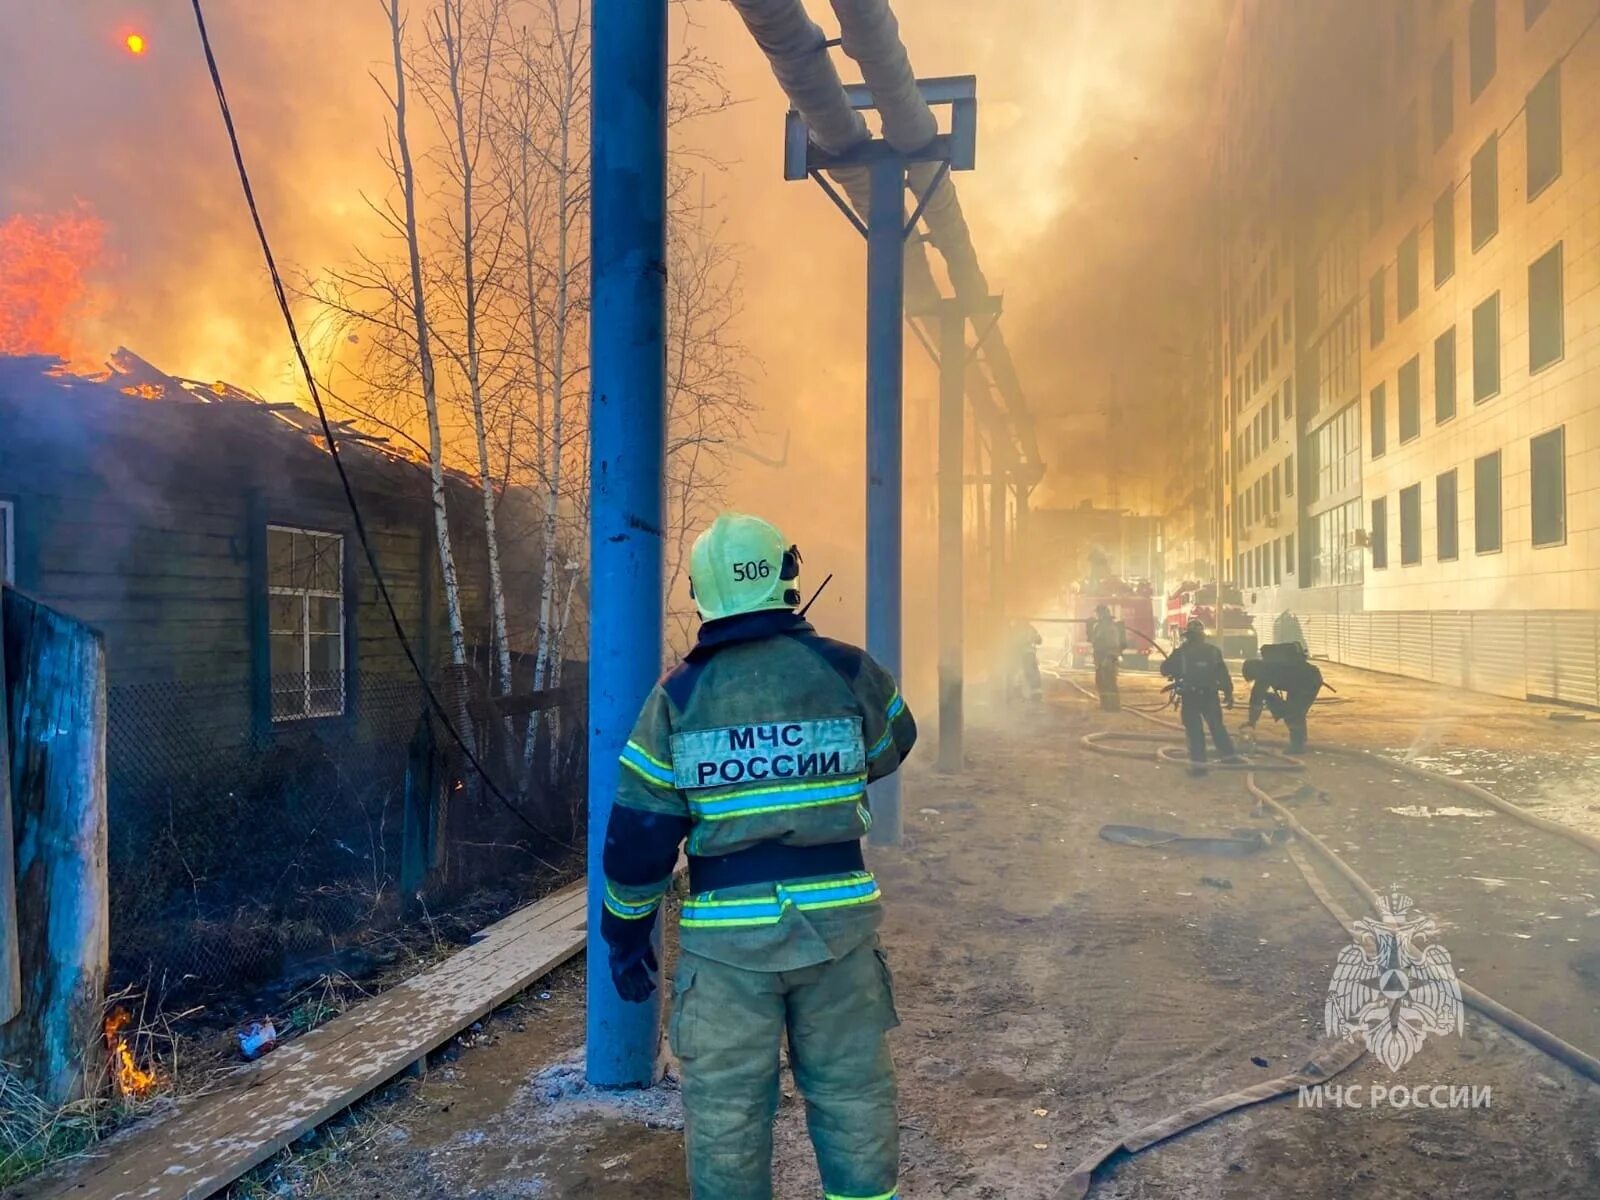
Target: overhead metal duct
870 34
798 51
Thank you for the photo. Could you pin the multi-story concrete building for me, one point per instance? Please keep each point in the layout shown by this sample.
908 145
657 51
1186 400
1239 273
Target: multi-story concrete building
1414 475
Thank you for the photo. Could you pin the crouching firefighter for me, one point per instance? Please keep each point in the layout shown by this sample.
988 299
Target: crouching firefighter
1201 684
1286 683
1107 640
757 749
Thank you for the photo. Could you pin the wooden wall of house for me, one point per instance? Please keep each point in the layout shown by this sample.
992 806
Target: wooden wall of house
147 520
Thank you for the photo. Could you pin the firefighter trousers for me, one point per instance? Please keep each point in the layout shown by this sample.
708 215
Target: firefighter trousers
1105 682
725 1028
1200 711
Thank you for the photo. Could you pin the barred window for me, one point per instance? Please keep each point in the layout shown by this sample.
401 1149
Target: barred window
305 623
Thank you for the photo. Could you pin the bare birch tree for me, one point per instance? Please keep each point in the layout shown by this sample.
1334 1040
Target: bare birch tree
406 173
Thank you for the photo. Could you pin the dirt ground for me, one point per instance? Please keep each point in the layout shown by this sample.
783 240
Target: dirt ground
1055 988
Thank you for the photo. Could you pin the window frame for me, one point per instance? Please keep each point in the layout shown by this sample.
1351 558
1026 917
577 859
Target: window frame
1496 457
1448 337
1453 553
309 710
1559 433
1443 85
1481 20
1411 523
1407 269
1413 365
1493 299
1558 250
1378 532
1485 186
1444 234
1378 420
1536 188
1377 304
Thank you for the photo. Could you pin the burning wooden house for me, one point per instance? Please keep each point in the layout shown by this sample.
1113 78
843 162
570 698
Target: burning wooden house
261 708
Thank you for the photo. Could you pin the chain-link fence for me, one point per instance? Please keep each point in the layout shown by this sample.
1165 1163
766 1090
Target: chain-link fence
241 855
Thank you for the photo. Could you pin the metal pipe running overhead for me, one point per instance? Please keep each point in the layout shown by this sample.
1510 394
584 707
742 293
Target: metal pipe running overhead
870 34
798 51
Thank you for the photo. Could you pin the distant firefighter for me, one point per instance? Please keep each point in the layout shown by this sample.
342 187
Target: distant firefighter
1108 640
1201 681
1022 658
1286 683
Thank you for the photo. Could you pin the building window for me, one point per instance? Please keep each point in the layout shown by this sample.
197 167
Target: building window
1547 466
1410 399
1277 489
1546 336
1288 476
1288 320
1332 554
8 543
1444 100
1447 518
1405 277
1411 525
1444 376
1532 10
1288 397
1486 192
1486 349
1277 562
1544 132
1405 151
1486 503
1277 422
1379 534
1481 46
1444 236
1335 450
1375 308
305 629
1377 421
1274 345
1288 554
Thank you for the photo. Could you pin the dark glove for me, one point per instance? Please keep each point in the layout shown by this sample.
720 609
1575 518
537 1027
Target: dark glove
633 971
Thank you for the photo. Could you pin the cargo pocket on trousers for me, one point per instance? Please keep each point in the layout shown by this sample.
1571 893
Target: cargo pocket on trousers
891 1018
681 1024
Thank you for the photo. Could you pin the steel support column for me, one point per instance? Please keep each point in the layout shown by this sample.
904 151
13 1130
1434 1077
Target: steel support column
886 221
952 469
627 424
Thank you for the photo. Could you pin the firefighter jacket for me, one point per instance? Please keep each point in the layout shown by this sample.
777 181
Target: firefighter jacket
1198 668
756 751
1107 638
1295 683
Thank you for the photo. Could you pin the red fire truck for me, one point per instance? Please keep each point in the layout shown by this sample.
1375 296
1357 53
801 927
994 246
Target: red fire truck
1197 601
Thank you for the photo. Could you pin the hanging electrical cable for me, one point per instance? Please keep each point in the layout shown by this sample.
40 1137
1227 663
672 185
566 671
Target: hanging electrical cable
282 295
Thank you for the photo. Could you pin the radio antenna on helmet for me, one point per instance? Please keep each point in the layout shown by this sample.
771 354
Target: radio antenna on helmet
816 593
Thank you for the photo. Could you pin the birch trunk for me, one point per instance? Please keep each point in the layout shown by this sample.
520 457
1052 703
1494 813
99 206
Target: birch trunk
451 27
430 399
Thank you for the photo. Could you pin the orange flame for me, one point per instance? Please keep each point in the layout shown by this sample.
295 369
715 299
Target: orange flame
43 289
131 1080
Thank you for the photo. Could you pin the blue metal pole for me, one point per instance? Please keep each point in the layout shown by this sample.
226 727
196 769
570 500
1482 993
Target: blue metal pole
885 362
627 431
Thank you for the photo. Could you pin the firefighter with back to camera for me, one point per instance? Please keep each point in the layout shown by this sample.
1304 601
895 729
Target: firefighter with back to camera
1202 685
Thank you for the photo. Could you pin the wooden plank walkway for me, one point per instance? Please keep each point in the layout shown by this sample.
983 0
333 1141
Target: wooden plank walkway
208 1143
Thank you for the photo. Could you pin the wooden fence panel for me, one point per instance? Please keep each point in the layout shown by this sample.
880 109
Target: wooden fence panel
10 967
56 717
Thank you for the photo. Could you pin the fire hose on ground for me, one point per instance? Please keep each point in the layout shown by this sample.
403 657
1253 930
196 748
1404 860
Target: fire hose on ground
1340 1056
